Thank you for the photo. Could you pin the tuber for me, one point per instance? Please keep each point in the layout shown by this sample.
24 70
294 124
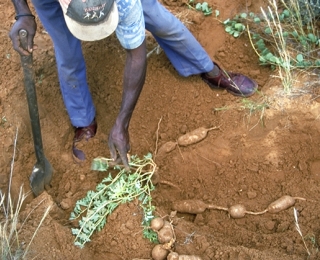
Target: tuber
176 256
194 136
282 203
156 223
165 234
190 206
198 206
167 147
237 211
159 252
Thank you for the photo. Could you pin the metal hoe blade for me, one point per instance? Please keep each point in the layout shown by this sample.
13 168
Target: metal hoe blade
42 171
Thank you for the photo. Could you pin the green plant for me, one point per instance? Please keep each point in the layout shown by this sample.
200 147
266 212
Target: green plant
280 37
111 192
200 6
235 27
255 107
251 107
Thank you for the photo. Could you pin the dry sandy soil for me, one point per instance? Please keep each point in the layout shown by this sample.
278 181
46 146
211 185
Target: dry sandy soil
253 159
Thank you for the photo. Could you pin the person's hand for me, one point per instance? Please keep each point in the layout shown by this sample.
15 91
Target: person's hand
119 145
27 23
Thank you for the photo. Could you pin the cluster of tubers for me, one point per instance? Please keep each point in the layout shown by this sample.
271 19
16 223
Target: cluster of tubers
166 238
165 231
235 211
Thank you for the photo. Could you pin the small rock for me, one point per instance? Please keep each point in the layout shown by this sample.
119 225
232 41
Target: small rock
283 226
130 225
113 216
270 225
163 136
251 194
113 243
65 203
183 129
67 187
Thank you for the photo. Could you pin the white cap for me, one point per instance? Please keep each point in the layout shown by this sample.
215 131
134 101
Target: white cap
91 20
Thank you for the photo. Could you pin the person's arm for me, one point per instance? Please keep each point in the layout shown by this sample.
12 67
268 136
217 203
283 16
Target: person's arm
134 77
26 21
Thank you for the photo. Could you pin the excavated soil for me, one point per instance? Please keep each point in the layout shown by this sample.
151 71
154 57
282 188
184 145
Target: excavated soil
254 158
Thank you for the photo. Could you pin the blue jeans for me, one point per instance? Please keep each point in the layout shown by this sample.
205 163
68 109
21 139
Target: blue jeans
183 50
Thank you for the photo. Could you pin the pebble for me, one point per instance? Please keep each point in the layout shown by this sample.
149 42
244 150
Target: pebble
130 225
270 225
183 129
65 203
67 187
251 194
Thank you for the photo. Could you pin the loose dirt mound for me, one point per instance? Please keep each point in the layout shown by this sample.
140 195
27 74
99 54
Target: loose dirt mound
253 159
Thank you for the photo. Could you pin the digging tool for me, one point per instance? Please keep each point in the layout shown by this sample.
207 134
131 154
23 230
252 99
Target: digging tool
42 171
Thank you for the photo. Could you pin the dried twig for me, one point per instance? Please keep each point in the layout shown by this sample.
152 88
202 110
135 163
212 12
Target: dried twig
295 214
157 137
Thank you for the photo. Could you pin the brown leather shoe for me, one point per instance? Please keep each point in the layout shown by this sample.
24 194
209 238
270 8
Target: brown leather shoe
83 133
235 83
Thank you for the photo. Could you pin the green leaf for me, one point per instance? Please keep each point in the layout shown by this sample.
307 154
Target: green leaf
295 34
243 15
256 20
226 21
228 29
198 6
256 36
312 37
75 231
300 57
239 27
236 34
286 13
208 11
217 13
268 30
273 59
281 17
204 6
265 51
269 56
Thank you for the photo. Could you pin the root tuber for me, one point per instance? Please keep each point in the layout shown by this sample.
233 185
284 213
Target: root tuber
165 234
282 203
198 206
156 224
194 136
190 206
159 252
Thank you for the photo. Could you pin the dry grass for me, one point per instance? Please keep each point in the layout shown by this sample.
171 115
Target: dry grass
11 247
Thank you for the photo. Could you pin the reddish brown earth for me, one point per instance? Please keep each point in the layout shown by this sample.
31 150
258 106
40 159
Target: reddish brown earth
245 161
